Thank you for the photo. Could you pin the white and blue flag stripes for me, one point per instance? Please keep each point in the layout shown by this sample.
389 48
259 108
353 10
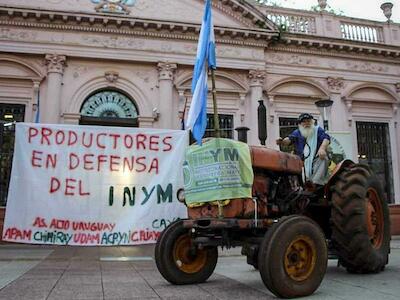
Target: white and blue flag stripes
197 117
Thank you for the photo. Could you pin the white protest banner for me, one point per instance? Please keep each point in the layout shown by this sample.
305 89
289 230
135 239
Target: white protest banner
92 185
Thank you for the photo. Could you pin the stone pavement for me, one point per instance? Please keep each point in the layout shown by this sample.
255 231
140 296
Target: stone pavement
43 272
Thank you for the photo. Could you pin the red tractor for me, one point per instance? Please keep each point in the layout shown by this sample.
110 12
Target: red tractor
287 229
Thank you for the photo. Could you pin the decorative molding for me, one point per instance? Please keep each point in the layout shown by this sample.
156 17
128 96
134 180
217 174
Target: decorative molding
238 16
166 70
255 36
111 76
17 35
246 14
35 90
332 62
337 54
125 25
79 70
246 40
335 84
271 102
229 52
257 77
330 45
397 86
55 63
395 107
271 118
33 65
301 60
367 67
240 12
292 59
242 99
181 103
349 106
113 41
115 6
145 121
71 118
145 76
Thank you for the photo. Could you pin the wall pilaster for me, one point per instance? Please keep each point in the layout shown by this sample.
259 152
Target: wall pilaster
166 101
335 86
256 78
50 106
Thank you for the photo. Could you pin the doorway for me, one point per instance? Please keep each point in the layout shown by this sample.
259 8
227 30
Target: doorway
373 141
9 114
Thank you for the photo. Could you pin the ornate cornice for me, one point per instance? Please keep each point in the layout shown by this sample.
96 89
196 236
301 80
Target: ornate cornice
334 47
125 25
254 37
332 53
255 42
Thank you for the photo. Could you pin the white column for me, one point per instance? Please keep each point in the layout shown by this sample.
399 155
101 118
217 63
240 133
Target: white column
339 108
34 103
168 108
272 123
181 108
256 78
51 105
396 117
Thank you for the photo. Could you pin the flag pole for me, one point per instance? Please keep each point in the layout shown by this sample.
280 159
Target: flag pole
216 129
214 97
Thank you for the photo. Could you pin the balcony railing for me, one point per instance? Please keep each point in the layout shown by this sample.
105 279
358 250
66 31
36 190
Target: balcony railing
362 33
334 26
294 23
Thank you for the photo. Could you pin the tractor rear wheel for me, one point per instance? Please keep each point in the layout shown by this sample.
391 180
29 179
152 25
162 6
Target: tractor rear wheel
178 261
293 257
360 221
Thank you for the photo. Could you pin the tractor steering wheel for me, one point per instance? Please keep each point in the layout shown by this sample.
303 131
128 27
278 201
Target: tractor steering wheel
309 151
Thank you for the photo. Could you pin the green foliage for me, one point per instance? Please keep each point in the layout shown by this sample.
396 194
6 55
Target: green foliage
271 2
315 8
328 9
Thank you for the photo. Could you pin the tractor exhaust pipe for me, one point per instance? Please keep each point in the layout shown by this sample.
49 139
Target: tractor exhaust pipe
262 122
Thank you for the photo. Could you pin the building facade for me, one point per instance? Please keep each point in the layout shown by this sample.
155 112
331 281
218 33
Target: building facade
129 63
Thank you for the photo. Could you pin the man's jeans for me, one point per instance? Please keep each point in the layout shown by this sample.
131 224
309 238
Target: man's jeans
320 169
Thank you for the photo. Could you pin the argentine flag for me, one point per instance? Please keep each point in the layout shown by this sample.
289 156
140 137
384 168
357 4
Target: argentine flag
205 58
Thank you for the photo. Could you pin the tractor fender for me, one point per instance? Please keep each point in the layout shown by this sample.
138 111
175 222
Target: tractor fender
335 174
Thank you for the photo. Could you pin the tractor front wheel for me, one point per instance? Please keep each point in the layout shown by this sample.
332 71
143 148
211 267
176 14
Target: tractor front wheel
293 257
360 221
179 261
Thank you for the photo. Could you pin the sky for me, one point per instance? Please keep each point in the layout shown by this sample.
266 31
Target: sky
364 9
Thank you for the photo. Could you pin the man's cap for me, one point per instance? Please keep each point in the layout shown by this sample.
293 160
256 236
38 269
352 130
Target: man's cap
304 116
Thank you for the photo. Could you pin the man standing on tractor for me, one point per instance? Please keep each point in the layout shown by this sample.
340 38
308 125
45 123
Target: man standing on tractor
310 142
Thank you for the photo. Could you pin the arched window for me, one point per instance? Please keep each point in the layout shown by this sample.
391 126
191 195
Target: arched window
110 108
